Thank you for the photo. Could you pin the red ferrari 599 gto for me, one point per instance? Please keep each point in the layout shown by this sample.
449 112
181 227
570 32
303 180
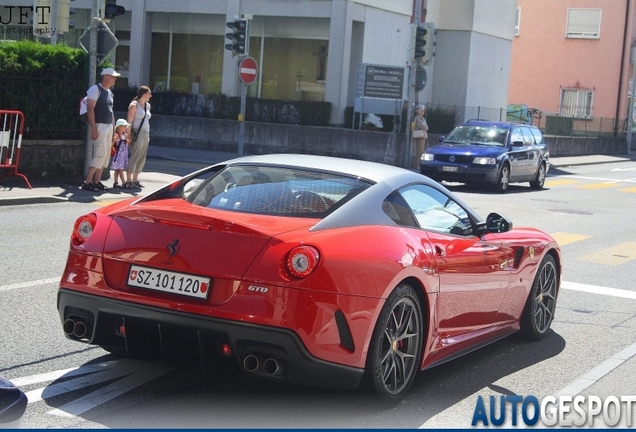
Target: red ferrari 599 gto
306 269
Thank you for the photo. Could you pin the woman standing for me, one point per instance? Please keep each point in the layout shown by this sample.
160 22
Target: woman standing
139 118
420 132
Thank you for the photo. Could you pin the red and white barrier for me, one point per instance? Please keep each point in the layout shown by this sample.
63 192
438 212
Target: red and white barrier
11 129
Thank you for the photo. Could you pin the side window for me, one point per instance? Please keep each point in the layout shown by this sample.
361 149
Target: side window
528 138
516 135
395 208
435 211
538 136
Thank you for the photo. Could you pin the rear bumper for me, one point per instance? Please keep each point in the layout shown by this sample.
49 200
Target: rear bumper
184 338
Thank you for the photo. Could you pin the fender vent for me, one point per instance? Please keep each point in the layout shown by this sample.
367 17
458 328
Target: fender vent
346 340
518 255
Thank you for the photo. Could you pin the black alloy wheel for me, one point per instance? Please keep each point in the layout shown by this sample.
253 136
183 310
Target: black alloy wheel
396 346
539 310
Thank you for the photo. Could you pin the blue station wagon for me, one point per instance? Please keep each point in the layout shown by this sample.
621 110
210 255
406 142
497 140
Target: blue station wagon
491 153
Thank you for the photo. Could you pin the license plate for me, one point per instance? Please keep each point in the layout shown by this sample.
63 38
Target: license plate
449 168
168 281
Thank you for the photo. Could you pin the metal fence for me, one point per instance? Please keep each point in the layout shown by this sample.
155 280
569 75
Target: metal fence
549 123
50 106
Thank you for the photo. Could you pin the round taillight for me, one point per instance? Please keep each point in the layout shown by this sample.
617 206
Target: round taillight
83 228
302 261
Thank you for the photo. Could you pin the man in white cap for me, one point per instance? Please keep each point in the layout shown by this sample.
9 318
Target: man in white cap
101 120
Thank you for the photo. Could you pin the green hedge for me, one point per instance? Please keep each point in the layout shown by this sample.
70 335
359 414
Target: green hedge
45 83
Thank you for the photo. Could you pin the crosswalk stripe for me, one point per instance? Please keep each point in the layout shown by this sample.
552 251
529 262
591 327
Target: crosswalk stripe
560 182
565 238
617 255
135 376
598 185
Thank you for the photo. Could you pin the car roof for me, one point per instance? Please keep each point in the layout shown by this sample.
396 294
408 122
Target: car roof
364 208
495 123
373 171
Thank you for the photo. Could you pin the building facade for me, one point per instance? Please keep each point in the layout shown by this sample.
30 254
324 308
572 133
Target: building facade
307 49
572 58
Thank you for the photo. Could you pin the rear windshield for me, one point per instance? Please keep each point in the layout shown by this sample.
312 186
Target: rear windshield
272 190
479 135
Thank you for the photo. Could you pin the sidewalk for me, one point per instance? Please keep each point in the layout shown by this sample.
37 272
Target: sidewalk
13 191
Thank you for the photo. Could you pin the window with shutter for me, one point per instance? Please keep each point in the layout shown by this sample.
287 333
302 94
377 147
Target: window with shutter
583 23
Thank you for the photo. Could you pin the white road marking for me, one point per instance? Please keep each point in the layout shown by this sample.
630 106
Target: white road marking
51 376
136 376
592 376
128 373
28 284
53 390
593 289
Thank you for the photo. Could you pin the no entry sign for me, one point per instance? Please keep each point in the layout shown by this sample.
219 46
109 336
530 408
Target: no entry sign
247 70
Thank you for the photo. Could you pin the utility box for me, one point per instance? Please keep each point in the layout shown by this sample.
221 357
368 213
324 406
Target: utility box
556 125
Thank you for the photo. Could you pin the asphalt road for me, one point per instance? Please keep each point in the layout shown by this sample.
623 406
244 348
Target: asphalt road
590 351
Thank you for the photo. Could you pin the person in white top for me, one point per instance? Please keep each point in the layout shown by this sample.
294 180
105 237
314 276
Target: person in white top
139 118
101 121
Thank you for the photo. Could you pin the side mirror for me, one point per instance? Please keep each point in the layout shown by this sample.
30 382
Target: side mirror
441 138
495 223
517 144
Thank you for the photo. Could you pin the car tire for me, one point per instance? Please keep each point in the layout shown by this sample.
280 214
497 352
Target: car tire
396 346
503 181
539 180
539 309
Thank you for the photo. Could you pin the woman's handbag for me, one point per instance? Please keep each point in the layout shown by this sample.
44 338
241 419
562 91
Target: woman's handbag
418 133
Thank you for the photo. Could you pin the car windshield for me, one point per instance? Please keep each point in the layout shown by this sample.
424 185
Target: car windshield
272 190
478 135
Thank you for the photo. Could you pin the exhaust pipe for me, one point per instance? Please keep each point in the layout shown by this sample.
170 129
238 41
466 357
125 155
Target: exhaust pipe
273 367
250 362
80 329
68 326
77 329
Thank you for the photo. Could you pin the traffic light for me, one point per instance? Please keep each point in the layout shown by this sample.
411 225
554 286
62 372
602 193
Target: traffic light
240 38
112 10
423 43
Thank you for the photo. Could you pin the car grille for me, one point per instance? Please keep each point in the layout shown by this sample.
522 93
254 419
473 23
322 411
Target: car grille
459 159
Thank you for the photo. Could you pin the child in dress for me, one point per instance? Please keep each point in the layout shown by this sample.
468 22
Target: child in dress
120 157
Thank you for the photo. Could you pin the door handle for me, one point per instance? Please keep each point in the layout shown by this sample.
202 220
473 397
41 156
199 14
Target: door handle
440 252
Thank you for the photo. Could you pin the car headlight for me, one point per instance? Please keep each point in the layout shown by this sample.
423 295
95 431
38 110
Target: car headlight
427 157
485 161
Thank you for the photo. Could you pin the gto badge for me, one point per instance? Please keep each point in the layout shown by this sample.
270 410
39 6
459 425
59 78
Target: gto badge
173 248
531 252
258 289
